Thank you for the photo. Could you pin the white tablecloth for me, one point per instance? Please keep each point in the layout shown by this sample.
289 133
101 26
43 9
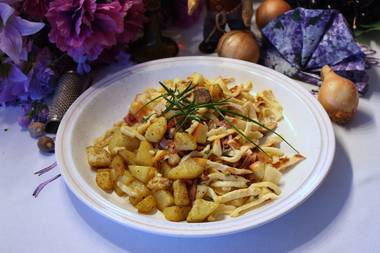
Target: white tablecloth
341 216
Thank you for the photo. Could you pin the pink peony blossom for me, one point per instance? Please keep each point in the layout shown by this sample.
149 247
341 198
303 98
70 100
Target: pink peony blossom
83 28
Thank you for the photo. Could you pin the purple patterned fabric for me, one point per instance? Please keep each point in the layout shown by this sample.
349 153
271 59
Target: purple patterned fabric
300 42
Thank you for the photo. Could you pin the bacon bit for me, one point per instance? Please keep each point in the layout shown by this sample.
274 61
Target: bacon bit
130 119
247 160
263 157
234 144
225 124
193 192
172 123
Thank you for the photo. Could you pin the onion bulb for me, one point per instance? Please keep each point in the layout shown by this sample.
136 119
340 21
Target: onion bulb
269 10
338 96
239 45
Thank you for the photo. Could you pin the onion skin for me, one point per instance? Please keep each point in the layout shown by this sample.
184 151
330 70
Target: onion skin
269 10
338 96
239 45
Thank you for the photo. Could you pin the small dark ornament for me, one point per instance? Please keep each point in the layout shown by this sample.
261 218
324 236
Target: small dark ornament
46 144
36 129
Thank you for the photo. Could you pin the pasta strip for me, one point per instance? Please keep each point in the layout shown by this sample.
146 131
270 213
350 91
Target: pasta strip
238 211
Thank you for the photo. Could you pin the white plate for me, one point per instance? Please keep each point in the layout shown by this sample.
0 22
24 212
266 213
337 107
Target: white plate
305 125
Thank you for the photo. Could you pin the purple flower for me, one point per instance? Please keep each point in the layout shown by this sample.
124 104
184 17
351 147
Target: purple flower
42 77
83 27
13 82
12 29
134 19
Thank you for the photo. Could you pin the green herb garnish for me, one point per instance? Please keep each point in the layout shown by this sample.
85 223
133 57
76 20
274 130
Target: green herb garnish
185 110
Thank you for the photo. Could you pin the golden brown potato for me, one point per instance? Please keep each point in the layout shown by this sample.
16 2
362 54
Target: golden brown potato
119 139
272 174
216 92
159 182
144 156
200 133
165 168
176 213
181 195
98 157
147 205
135 189
134 201
156 130
163 198
128 156
184 141
201 210
118 191
104 179
126 178
117 166
142 173
188 169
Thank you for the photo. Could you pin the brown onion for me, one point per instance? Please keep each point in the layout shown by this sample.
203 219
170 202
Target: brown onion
338 96
239 45
269 10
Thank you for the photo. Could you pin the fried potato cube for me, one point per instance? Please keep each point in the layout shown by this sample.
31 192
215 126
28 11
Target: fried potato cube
147 205
201 210
144 156
134 201
216 92
188 169
258 169
104 179
176 213
126 178
200 133
119 139
142 173
118 190
184 141
196 78
156 130
164 199
135 189
272 174
181 195
117 166
128 156
98 157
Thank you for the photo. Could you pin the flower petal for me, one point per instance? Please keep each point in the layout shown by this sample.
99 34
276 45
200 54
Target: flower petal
11 43
26 27
5 12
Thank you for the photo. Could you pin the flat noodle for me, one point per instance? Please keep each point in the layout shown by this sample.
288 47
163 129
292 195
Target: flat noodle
227 169
129 131
221 176
286 162
237 194
246 207
237 184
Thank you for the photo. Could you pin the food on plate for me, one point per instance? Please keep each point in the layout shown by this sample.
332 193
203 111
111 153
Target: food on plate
195 149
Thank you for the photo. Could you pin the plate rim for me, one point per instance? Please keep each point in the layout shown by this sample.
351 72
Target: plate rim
323 122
